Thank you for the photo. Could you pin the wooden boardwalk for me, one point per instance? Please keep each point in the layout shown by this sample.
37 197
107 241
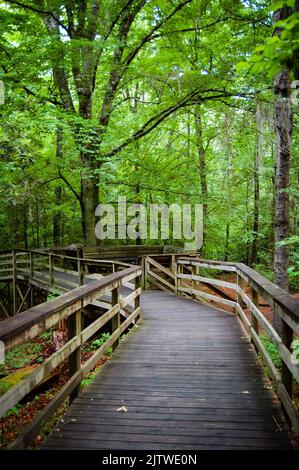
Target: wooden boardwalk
189 379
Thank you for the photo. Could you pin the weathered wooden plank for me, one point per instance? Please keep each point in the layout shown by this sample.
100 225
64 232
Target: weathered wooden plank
161 280
205 295
36 320
183 385
160 267
208 280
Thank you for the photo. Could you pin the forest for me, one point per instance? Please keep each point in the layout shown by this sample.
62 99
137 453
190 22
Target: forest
158 104
171 101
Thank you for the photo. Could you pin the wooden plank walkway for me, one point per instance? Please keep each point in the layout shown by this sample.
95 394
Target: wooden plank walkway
189 379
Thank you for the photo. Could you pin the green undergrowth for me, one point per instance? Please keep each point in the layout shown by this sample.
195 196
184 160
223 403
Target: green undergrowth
273 353
23 355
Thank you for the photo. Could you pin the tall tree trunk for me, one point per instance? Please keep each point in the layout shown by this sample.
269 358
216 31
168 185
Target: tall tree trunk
227 237
202 167
58 216
256 178
247 222
89 199
25 225
228 181
283 130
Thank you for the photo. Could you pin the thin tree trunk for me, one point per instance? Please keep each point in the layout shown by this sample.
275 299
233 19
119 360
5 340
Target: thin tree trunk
228 182
89 199
58 216
247 222
37 225
202 167
283 130
227 236
256 178
25 226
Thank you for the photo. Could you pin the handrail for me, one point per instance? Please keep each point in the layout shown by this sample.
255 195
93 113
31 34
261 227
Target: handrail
39 268
289 306
33 322
36 320
285 306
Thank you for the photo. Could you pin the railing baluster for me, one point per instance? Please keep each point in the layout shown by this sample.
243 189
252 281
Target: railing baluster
144 273
254 320
15 280
51 270
286 374
115 322
240 283
74 325
137 299
81 271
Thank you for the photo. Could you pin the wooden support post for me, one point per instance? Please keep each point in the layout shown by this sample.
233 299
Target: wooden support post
178 280
175 272
137 299
81 271
51 270
286 374
240 282
74 328
194 283
31 265
116 319
255 301
15 280
31 274
173 264
144 273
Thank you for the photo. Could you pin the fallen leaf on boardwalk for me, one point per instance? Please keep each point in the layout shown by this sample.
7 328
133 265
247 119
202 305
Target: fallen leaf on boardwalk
122 408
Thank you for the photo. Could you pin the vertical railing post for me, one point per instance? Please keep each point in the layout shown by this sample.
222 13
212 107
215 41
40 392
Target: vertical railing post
240 283
15 280
178 280
30 265
286 375
173 264
144 273
51 270
137 299
193 281
115 322
81 271
74 327
255 301
31 272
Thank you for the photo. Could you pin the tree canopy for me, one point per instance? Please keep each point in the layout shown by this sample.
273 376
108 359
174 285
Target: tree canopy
158 101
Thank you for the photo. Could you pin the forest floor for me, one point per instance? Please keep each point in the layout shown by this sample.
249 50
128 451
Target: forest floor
26 358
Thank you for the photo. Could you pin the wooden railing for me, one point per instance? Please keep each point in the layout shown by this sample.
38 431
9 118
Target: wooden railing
186 279
33 322
46 270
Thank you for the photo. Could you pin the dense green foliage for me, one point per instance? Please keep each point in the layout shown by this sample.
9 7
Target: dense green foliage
149 150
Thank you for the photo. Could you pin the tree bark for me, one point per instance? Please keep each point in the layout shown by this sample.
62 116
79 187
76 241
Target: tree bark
89 199
58 216
283 124
256 178
202 167
283 131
